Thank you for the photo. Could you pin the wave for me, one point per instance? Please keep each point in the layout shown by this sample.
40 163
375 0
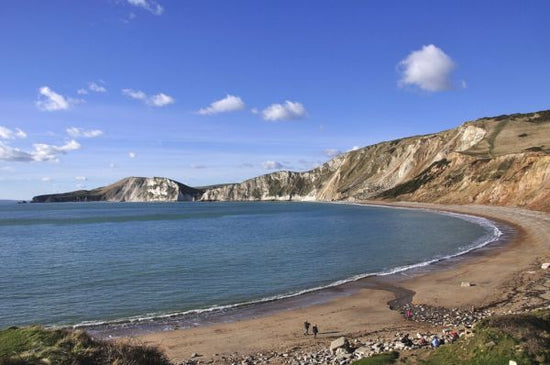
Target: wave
494 234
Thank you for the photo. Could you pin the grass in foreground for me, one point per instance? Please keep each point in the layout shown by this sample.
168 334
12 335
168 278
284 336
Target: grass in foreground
524 338
36 345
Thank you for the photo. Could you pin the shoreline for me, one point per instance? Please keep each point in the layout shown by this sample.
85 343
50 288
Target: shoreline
137 326
365 311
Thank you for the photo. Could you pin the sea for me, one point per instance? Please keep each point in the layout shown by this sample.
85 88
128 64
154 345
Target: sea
86 264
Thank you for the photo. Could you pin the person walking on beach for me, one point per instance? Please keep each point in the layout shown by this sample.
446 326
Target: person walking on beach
306 327
315 331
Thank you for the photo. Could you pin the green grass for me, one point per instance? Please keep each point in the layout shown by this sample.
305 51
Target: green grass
523 338
380 359
36 345
16 340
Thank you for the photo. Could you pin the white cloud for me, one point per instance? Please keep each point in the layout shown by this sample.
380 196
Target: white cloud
272 165
46 178
82 92
331 152
41 152
134 94
6 133
47 152
228 104
254 111
157 100
79 132
289 110
197 167
160 99
95 87
81 178
150 5
428 68
131 154
354 148
49 100
112 165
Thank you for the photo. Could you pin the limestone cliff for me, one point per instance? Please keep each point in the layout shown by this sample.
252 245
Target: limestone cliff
130 189
503 160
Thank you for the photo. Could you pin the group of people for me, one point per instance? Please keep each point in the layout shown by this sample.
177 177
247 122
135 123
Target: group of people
314 329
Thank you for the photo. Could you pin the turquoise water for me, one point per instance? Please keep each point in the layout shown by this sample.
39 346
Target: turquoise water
73 263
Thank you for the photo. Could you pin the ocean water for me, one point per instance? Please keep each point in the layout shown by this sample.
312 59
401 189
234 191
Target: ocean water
75 263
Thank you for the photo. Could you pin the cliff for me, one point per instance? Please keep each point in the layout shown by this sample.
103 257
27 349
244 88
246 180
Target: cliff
130 189
503 160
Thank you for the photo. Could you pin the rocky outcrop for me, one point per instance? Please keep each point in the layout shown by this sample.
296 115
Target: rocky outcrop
130 189
503 160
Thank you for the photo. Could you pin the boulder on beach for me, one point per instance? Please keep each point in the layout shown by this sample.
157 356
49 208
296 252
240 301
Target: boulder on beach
465 284
545 266
340 342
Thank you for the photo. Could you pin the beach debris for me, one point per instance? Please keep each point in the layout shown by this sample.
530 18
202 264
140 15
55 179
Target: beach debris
465 284
545 266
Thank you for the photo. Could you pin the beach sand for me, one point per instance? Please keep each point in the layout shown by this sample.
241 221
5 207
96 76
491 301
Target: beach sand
499 276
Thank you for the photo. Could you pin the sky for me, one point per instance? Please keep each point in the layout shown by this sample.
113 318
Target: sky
207 92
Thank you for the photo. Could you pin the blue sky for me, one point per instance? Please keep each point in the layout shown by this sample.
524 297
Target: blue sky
208 92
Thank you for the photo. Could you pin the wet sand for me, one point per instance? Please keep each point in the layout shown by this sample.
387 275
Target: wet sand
364 311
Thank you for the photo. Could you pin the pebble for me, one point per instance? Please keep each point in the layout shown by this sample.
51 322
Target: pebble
455 323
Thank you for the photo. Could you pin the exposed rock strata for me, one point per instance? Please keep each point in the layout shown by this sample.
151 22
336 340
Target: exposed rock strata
502 161
131 189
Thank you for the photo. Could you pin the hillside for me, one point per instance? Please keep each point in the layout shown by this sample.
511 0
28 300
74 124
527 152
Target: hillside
130 189
502 160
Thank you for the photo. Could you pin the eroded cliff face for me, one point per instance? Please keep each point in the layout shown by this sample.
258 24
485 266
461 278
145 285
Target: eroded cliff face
152 189
131 189
503 160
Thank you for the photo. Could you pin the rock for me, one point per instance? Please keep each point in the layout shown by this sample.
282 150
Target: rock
399 346
490 344
465 284
341 342
194 354
130 189
512 362
545 266
363 351
341 351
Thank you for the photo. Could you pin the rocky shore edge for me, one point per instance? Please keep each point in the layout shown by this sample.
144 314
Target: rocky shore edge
423 323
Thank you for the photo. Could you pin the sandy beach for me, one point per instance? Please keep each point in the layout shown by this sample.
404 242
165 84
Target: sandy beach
501 278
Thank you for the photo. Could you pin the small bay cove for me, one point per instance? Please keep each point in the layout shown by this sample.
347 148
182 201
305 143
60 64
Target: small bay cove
164 266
